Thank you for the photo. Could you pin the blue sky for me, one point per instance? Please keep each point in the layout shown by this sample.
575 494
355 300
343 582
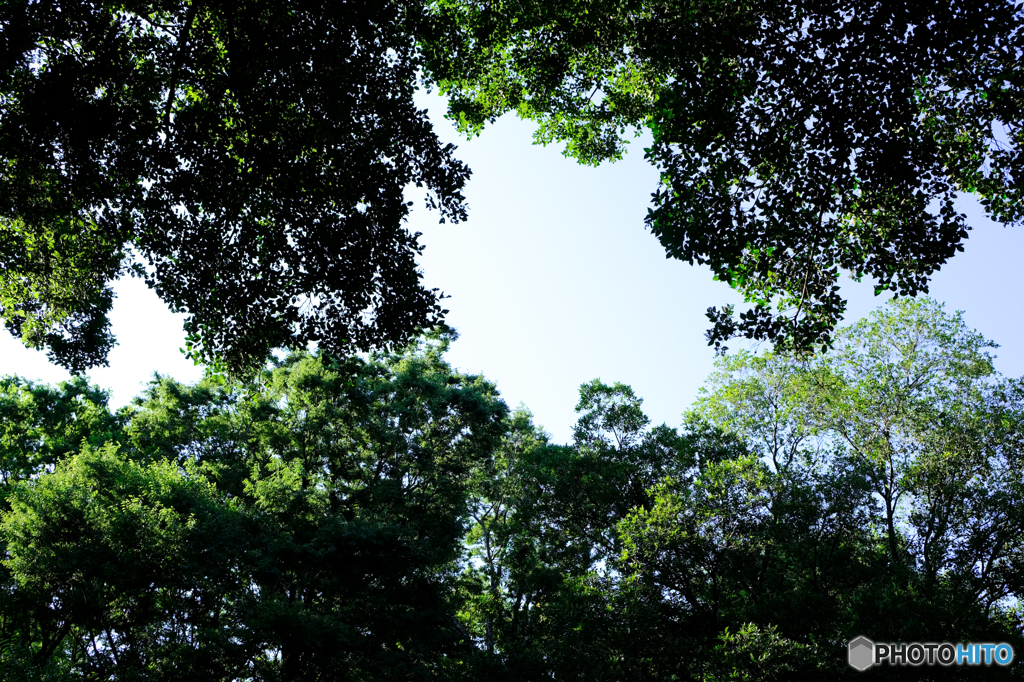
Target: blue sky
554 281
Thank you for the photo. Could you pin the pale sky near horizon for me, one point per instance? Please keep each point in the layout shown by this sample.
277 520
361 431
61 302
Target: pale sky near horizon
554 281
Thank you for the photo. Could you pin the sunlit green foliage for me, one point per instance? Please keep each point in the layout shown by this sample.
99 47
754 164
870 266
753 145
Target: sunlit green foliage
304 523
388 518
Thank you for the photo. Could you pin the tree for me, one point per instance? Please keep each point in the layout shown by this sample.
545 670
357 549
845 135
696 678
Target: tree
910 392
795 140
303 523
544 598
125 570
387 518
892 509
754 543
247 159
40 425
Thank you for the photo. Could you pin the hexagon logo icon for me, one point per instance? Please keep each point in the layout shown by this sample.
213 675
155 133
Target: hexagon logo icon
862 653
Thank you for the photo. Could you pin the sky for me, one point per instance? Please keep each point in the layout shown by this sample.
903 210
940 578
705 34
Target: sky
553 281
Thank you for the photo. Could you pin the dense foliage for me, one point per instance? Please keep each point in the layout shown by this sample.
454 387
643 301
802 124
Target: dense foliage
390 518
250 159
306 523
795 139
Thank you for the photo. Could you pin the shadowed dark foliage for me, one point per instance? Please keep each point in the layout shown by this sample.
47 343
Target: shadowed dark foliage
247 158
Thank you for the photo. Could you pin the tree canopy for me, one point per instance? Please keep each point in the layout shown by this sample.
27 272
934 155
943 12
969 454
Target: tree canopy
301 525
796 140
390 518
248 159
